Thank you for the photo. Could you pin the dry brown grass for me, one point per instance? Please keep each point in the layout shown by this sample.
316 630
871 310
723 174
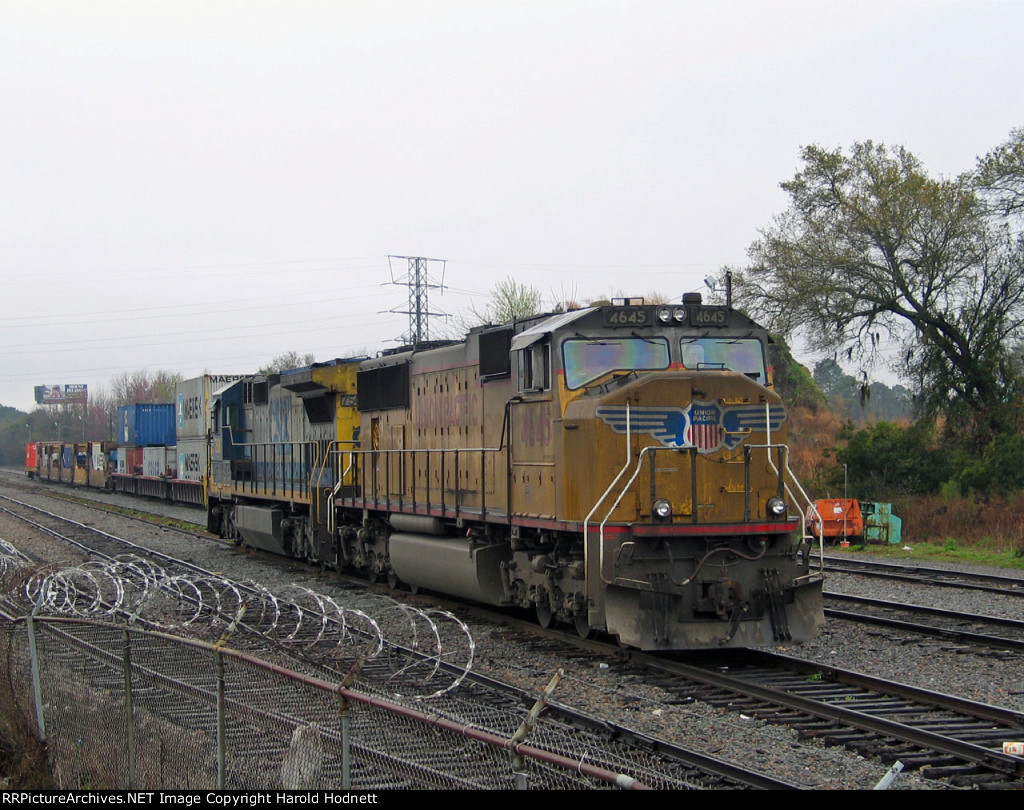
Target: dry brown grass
992 523
24 764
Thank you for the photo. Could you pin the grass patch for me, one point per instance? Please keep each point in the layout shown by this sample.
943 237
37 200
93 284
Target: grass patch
990 553
973 531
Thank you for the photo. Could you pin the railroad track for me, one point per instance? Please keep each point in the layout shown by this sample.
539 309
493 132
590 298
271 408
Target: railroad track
942 736
489 703
977 630
936 734
1003 584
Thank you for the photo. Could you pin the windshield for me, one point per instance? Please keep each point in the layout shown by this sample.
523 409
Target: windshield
735 354
589 359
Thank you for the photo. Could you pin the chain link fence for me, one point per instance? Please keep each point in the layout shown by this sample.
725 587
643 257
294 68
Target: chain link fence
124 667
132 709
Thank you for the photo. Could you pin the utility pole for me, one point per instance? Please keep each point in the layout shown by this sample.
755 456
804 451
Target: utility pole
419 282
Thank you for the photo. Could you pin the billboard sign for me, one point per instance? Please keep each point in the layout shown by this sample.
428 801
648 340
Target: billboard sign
60 394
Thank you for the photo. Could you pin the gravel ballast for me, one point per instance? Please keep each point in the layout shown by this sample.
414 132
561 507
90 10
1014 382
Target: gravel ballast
776 750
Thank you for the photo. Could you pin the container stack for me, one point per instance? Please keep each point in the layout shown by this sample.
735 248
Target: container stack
195 422
146 427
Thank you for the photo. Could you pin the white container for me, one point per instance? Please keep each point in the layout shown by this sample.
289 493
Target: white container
192 458
157 461
192 403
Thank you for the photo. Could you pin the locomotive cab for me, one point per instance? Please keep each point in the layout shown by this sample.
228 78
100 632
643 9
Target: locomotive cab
666 447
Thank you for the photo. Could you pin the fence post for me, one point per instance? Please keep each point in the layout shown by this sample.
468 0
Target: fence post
346 743
129 707
344 714
37 689
518 761
221 724
218 657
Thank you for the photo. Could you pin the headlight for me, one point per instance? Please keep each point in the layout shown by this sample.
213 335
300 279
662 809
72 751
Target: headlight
665 315
662 508
776 506
679 315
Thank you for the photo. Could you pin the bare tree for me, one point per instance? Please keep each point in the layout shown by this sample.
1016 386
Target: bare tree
128 388
512 301
286 361
131 387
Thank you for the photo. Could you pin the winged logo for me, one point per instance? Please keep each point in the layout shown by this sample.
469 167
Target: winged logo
705 426
667 425
744 419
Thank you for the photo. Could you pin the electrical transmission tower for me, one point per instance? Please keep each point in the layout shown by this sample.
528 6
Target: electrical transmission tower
419 282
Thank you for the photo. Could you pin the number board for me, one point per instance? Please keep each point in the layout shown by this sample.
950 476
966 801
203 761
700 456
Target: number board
709 316
629 316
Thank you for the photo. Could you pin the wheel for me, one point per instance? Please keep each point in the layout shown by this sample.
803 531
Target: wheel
545 618
583 629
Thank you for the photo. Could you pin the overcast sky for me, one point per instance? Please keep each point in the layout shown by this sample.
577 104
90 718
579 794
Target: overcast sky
202 186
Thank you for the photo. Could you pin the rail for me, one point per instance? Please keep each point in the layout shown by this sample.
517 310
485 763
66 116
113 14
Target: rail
790 481
420 481
121 707
788 485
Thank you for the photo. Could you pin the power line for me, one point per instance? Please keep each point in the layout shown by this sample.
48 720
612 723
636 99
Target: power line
419 282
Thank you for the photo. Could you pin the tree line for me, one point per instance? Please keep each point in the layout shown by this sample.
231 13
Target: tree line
879 263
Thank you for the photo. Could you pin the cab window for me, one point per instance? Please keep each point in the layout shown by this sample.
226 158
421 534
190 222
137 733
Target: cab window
744 355
588 359
535 367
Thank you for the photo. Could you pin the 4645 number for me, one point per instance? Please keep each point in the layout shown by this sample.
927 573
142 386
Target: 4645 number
629 316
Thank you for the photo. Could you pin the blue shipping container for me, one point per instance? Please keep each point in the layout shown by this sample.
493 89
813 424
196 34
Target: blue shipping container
146 425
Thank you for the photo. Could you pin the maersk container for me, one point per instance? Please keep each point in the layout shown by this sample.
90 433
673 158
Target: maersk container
192 399
146 424
192 457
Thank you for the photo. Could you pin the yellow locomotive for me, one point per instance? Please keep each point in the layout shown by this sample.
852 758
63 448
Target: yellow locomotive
618 468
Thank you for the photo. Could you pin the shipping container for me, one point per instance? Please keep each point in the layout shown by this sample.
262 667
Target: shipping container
192 458
67 463
31 459
146 424
835 518
133 461
100 462
159 461
193 399
81 471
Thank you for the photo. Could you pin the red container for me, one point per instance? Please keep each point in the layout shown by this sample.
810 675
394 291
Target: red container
838 518
133 460
30 459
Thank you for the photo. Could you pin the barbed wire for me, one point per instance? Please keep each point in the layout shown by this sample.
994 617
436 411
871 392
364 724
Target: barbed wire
418 647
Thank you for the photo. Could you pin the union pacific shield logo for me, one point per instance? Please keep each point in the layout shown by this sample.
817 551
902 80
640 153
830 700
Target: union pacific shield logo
705 426
705 430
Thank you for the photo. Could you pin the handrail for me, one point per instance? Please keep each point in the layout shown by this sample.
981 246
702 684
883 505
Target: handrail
618 500
796 482
590 514
787 479
356 455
